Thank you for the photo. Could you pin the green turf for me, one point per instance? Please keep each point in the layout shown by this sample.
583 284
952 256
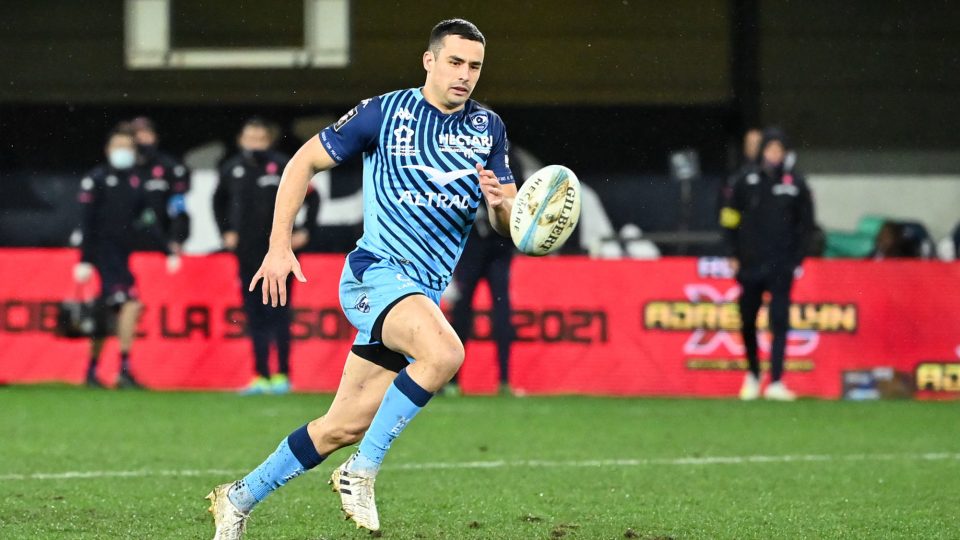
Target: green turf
872 483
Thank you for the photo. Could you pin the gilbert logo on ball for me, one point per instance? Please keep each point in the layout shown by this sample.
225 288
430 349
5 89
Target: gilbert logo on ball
545 211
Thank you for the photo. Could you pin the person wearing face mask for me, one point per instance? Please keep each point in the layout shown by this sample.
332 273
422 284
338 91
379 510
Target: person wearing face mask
114 207
243 206
767 219
165 186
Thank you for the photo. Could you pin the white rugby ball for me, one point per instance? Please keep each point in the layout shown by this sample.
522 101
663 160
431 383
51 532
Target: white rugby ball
545 211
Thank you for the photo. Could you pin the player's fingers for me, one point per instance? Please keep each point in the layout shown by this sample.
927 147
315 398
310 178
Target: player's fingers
485 173
274 293
256 278
299 273
265 289
282 287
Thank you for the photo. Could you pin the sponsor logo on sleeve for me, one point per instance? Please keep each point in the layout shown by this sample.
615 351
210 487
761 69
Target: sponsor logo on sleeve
344 119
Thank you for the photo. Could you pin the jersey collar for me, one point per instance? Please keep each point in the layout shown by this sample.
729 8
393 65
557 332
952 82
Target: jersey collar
418 93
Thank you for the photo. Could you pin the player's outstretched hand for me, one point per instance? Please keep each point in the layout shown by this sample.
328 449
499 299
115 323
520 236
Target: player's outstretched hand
277 265
490 187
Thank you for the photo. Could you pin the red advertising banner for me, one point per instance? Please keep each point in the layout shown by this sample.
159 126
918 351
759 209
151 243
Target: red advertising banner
665 327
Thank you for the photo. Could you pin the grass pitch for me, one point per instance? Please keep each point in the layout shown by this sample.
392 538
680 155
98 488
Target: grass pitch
77 463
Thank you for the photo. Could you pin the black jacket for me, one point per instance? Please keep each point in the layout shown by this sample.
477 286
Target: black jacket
245 198
114 206
767 220
165 186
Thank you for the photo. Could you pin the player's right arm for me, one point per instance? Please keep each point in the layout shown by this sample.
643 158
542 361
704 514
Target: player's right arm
355 132
731 215
280 260
89 198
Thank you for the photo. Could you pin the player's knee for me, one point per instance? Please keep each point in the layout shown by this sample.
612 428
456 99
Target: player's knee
447 356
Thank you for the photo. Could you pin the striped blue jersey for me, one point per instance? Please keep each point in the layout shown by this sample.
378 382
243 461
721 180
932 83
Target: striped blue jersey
421 189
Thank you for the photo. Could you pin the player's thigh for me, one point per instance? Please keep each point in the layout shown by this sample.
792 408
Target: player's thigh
417 328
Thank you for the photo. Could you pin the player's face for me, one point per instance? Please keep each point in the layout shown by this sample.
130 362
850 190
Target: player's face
254 138
773 153
120 142
453 71
146 137
751 144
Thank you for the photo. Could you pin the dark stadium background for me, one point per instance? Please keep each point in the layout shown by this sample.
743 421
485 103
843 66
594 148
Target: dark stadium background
608 88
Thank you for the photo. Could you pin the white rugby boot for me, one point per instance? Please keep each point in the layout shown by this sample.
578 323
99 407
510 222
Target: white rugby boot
750 390
356 496
777 391
229 520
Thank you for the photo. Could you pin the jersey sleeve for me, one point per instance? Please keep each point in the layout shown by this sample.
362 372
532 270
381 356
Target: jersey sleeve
354 132
499 160
731 215
89 197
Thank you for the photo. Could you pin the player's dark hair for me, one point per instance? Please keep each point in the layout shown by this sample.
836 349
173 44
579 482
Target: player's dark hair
256 122
123 129
143 123
272 128
454 27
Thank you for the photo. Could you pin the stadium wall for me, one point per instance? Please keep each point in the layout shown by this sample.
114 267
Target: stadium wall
842 199
556 53
654 328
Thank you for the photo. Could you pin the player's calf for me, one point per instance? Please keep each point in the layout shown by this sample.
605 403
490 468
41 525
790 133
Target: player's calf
294 456
329 435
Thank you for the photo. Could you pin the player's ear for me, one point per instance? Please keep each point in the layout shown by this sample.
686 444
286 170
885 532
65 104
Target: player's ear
428 60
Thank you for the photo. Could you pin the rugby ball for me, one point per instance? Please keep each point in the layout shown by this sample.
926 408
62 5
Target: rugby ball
545 210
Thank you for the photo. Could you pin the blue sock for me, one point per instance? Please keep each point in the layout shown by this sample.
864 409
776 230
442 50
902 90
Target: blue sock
295 456
403 400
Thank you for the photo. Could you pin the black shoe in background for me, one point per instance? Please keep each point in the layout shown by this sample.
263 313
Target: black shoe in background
127 382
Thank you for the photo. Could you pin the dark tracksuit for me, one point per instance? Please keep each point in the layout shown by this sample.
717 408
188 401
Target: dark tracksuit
487 255
166 183
113 204
767 220
243 203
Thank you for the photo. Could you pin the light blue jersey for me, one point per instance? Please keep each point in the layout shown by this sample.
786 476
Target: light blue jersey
421 189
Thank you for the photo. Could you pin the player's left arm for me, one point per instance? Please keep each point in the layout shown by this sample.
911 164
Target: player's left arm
499 199
177 204
805 220
496 179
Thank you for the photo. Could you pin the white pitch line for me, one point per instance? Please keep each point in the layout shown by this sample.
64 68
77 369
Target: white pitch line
694 461
534 463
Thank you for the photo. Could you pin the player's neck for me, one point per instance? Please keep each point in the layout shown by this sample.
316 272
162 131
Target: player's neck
438 103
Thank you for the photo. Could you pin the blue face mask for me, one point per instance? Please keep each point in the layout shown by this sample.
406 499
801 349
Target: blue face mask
122 158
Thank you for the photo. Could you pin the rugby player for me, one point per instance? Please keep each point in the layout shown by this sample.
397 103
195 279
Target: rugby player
431 156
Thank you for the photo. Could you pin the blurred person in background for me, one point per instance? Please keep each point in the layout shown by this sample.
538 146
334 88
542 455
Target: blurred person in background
166 184
747 161
767 221
889 243
114 208
243 205
751 146
487 256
